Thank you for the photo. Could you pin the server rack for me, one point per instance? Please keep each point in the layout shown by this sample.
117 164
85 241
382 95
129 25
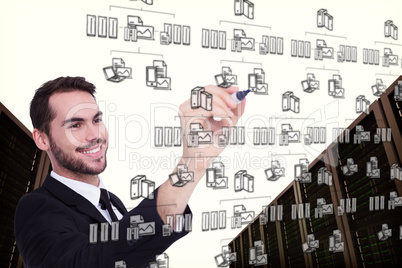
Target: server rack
360 227
23 168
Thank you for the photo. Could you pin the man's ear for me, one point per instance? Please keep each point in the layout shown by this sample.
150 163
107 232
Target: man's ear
41 139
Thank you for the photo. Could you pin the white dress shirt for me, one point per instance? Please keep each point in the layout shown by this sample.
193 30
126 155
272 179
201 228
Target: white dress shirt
89 192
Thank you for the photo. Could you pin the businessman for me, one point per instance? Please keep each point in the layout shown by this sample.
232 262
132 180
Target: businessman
52 224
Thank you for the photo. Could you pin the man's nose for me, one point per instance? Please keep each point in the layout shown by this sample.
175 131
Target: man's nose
92 133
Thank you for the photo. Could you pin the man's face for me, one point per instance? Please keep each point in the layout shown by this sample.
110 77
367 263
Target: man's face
78 137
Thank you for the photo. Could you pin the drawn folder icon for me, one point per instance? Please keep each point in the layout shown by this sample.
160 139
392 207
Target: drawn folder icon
261 89
146 228
145 32
204 137
163 83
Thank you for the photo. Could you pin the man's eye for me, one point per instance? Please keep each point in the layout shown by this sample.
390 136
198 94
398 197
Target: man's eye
75 125
97 120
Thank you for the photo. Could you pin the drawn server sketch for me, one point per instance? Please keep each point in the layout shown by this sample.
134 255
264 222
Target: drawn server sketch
244 7
201 98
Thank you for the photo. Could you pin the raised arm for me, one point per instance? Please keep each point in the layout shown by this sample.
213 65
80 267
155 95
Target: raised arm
198 159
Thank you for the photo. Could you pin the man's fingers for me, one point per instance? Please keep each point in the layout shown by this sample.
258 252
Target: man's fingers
224 94
239 110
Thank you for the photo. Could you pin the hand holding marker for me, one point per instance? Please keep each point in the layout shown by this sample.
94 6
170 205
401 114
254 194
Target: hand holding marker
238 97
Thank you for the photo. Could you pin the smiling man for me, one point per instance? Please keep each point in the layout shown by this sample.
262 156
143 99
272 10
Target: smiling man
52 224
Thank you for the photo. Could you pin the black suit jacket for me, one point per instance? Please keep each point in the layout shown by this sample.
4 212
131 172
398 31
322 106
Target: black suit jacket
52 230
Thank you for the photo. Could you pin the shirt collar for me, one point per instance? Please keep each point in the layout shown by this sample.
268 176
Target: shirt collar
88 191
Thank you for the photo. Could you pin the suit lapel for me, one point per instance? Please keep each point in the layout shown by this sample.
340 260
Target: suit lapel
71 198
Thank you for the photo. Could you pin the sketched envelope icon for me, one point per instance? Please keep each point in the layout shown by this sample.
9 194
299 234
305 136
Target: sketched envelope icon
204 137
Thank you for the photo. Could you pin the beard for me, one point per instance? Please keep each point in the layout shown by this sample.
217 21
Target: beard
75 164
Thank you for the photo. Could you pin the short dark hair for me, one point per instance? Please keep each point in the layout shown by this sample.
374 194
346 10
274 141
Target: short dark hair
40 111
